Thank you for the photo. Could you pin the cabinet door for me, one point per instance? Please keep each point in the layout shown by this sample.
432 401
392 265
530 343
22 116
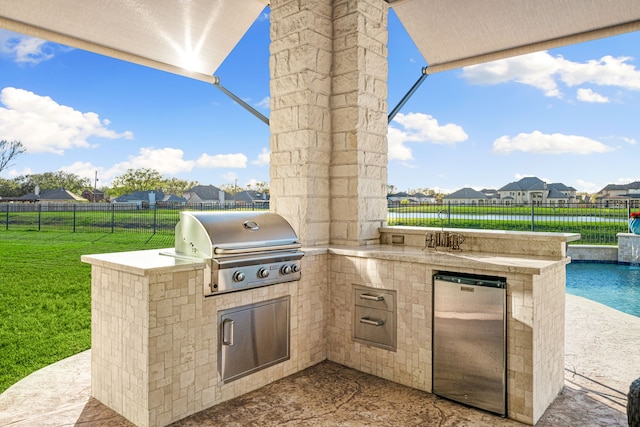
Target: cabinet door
252 337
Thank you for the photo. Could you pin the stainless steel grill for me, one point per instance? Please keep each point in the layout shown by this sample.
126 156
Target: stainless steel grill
242 249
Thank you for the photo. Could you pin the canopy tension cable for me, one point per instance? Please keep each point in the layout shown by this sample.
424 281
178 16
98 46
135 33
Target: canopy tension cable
405 98
249 108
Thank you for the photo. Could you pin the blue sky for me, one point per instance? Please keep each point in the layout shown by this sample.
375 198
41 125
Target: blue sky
565 115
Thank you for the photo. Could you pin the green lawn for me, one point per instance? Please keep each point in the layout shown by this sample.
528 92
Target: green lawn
45 294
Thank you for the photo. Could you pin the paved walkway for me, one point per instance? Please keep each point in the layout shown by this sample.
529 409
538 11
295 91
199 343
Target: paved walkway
602 359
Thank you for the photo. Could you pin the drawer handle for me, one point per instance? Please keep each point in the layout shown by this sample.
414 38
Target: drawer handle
374 322
227 332
372 297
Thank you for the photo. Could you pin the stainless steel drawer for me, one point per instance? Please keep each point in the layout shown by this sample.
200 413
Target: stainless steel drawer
374 298
375 327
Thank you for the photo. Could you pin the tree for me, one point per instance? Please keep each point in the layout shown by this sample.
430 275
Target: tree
176 186
51 181
136 180
391 189
260 187
9 151
231 188
10 188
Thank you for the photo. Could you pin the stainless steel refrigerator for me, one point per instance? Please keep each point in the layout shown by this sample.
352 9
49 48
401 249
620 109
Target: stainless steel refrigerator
469 340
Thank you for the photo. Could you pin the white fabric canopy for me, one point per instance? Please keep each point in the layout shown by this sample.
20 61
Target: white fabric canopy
193 37
189 38
457 33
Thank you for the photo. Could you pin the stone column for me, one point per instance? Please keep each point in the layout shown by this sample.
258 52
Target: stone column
328 118
300 66
359 121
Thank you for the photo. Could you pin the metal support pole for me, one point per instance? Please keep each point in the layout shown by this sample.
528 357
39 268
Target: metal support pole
249 108
404 100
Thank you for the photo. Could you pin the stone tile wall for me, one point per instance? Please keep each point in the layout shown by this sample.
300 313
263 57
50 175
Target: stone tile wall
155 340
629 248
535 362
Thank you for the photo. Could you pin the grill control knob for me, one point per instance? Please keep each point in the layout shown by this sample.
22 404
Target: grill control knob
263 273
285 269
238 276
295 268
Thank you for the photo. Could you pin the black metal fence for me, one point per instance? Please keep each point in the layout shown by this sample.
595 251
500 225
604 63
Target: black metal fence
596 224
106 217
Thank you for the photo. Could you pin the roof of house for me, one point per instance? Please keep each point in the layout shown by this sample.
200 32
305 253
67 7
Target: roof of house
206 192
249 196
529 183
55 194
631 186
466 193
561 187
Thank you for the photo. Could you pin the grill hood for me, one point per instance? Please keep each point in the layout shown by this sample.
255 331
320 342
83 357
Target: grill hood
220 234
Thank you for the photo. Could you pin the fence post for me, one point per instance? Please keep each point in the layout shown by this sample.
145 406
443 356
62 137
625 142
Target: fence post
7 223
449 214
533 227
39 215
74 217
155 217
113 216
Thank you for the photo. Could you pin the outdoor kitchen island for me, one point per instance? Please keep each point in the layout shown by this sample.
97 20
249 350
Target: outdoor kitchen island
155 334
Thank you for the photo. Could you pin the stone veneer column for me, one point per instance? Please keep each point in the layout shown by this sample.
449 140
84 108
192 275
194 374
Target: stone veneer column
359 121
300 67
329 118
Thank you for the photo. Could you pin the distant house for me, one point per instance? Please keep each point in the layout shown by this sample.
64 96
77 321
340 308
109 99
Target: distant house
417 198
93 195
423 198
58 195
398 197
619 195
205 194
492 195
149 199
466 196
251 197
533 190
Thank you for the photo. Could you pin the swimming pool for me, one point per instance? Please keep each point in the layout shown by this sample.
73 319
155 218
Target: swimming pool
615 285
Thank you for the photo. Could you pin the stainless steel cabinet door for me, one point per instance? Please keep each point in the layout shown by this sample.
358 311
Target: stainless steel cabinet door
252 337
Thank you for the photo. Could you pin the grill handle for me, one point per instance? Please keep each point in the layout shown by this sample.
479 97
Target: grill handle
219 250
227 332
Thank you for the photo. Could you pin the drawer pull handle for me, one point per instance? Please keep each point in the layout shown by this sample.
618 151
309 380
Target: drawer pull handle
372 297
374 322
227 332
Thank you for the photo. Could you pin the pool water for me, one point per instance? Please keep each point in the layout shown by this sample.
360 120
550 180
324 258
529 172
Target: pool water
615 285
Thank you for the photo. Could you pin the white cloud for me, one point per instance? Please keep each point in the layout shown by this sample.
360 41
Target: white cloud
165 160
13 173
557 143
544 71
587 95
26 50
263 158
419 127
230 176
630 141
43 125
607 71
237 160
264 103
586 186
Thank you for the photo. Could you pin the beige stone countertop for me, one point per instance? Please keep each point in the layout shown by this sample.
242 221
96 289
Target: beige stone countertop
144 262
503 263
